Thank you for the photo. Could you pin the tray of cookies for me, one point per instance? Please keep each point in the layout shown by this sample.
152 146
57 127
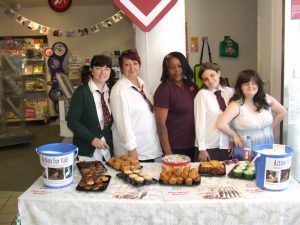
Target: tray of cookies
136 177
93 183
187 176
123 163
93 167
244 170
212 168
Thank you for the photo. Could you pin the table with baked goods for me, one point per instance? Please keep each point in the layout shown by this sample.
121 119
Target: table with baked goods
217 200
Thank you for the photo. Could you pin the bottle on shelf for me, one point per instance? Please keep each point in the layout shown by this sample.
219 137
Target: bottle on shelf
247 152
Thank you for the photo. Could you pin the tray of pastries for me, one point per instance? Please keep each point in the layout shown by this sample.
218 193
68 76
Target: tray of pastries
244 170
123 163
93 183
93 167
212 168
136 177
186 176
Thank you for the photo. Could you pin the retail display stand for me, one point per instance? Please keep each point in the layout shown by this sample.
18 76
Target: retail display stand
11 136
24 78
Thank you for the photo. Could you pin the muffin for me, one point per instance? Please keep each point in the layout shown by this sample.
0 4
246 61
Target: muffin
237 172
248 174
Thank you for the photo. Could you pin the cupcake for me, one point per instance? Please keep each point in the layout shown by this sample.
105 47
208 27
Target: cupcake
133 176
248 174
139 180
137 171
237 172
128 172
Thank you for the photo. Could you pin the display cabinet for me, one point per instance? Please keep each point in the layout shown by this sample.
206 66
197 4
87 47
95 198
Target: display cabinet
24 78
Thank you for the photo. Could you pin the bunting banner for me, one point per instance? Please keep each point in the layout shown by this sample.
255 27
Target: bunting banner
32 25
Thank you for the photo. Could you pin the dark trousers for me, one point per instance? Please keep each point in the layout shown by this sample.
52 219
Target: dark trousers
186 151
218 154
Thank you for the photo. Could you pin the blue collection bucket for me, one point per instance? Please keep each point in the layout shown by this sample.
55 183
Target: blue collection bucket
272 170
57 161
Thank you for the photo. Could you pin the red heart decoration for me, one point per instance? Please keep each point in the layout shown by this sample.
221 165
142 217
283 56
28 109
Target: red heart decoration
145 6
145 14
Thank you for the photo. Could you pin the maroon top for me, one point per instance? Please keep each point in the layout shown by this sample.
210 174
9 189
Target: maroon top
180 103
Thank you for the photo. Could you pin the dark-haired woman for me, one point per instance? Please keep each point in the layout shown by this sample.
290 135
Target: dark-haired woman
134 132
88 118
174 106
251 112
210 103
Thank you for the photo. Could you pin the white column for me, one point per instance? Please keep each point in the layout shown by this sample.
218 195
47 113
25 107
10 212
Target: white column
167 36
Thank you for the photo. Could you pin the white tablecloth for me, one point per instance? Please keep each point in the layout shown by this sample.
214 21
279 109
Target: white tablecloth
122 203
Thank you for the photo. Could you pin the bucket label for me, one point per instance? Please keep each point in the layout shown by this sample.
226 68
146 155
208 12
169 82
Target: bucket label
53 161
57 171
277 173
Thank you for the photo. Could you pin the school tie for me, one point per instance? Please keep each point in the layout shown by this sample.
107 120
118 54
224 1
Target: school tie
145 97
220 100
107 118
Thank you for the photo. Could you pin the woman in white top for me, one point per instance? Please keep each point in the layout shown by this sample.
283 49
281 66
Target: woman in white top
212 143
135 129
251 112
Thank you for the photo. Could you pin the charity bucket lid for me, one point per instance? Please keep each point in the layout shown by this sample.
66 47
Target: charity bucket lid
56 149
267 149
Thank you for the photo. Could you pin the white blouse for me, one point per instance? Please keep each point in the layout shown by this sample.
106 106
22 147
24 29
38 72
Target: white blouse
135 125
207 112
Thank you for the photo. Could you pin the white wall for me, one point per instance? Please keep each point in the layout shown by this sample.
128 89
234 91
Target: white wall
167 36
219 18
119 36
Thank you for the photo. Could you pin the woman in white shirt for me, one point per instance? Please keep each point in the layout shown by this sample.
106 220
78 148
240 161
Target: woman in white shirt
209 104
132 108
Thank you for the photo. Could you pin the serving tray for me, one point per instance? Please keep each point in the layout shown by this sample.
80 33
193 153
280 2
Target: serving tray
83 185
231 175
93 167
128 180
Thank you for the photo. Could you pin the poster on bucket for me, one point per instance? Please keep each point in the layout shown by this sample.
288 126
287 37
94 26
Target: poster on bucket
277 173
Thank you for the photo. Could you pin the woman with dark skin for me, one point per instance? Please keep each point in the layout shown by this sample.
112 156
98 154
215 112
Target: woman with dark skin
174 106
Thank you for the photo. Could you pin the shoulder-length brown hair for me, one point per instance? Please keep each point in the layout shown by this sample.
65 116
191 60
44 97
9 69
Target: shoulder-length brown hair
259 98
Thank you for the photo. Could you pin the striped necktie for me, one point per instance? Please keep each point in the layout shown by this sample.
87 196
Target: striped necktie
107 118
145 97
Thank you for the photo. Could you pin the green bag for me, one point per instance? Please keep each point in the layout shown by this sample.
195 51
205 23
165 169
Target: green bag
228 48
197 67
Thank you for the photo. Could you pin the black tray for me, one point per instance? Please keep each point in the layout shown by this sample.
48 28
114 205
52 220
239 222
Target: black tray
124 177
85 164
231 175
182 185
103 188
106 163
213 175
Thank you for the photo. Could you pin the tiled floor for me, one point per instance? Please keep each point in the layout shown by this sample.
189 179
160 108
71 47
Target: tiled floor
8 207
22 162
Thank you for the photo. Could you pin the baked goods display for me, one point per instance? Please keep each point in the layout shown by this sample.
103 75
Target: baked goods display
94 167
180 176
136 177
91 176
244 170
93 182
175 160
212 168
123 163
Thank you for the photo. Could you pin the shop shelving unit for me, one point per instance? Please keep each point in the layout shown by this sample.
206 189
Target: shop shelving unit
24 79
